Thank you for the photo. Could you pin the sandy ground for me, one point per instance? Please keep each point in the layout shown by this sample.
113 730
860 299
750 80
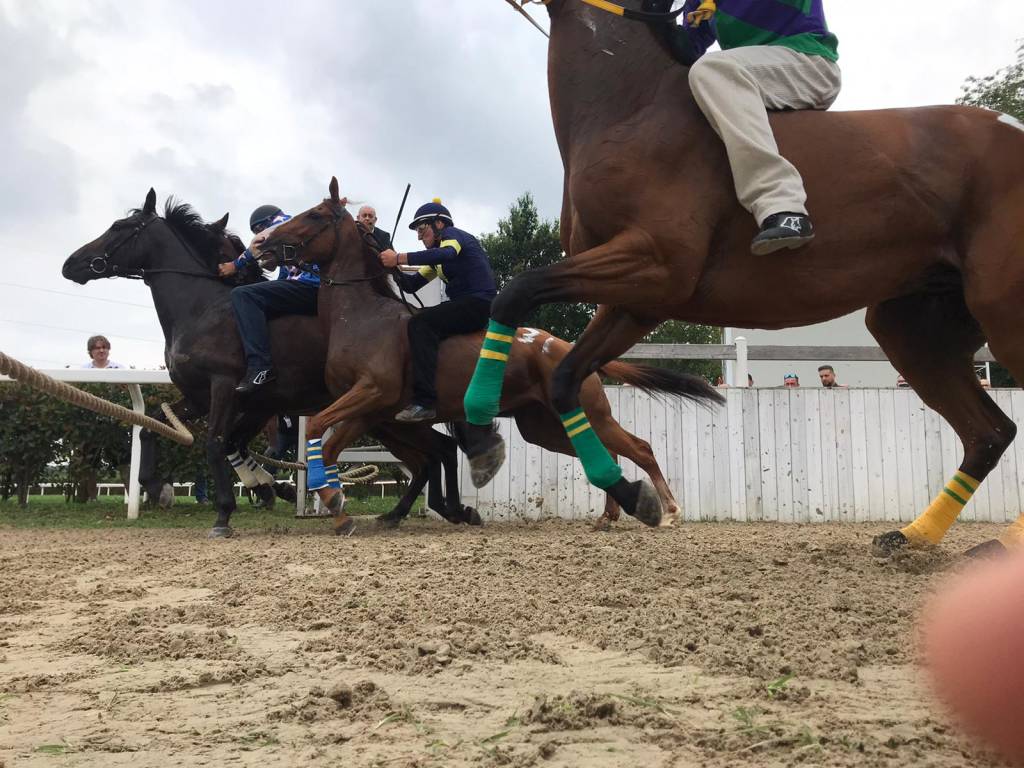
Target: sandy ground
527 645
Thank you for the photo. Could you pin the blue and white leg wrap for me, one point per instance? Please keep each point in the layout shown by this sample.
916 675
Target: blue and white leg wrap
261 475
241 467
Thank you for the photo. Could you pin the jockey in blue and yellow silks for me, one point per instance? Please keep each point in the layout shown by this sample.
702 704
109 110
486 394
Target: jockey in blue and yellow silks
457 258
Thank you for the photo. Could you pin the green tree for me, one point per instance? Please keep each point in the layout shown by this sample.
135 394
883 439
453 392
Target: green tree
1003 92
525 241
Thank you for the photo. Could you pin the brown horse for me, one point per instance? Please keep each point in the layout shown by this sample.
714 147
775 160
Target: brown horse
369 365
919 215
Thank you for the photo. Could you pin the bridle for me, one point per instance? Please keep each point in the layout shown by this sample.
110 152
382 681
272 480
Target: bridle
290 257
101 266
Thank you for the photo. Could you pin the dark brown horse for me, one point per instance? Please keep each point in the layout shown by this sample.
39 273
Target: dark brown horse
177 255
369 365
919 216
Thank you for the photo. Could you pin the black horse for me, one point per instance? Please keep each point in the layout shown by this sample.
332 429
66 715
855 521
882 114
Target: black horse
177 256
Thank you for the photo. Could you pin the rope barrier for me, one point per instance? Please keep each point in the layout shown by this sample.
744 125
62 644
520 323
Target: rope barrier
37 380
176 431
363 474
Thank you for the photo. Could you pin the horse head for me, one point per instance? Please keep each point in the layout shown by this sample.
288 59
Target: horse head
319 235
145 243
115 253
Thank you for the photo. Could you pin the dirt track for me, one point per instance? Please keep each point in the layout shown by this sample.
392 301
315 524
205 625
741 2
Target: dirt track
509 645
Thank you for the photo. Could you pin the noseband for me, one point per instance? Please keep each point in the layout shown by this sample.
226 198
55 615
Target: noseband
100 265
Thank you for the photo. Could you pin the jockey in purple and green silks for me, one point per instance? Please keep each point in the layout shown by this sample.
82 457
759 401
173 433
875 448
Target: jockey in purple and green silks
776 55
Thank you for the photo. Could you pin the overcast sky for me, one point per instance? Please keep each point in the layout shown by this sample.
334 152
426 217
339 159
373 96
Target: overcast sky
230 104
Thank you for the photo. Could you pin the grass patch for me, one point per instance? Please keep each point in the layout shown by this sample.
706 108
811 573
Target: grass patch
110 512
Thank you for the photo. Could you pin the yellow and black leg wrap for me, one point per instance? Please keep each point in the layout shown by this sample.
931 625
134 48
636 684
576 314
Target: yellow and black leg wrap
932 524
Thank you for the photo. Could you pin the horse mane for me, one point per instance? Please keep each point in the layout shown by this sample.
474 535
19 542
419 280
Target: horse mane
371 257
184 220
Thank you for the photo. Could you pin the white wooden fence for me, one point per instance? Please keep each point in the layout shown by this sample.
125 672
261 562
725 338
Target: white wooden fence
786 455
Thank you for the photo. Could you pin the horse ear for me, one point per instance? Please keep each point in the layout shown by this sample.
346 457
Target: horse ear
222 223
334 190
149 207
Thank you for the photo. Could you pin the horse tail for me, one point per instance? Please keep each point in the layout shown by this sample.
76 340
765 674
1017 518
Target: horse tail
660 381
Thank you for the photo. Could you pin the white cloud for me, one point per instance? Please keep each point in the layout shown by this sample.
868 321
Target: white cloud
232 104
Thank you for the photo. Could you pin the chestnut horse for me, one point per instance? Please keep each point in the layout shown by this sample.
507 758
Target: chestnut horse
919 216
369 364
177 255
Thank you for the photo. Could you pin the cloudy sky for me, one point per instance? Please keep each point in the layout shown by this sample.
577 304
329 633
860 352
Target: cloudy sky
229 104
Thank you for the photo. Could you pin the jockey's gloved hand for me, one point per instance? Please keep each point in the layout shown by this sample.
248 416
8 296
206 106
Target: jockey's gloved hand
705 11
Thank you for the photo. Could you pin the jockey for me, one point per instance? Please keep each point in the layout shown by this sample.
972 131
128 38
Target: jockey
461 262
775 55
293 293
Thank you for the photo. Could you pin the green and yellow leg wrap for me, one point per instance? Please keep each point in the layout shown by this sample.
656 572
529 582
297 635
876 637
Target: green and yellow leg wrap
598 465
483 396
932 524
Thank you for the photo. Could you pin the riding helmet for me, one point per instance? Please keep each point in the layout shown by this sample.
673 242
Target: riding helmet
262 214
430 211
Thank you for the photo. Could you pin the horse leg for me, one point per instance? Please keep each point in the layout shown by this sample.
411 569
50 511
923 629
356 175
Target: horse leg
931 339
401 511
540 426
626 268
222 398
621 442
611 332
456 511
253 476
1001 323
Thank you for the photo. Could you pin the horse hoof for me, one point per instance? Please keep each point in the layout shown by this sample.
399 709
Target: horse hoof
484 466
345 528
266 495
285 492
220 532
602 525
648 505
388 520
472 517
987 550
889 544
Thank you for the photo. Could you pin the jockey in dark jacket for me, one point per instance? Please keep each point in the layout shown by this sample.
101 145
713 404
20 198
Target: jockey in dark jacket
461 262
293 293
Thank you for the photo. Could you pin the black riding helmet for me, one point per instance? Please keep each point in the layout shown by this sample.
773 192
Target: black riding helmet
261 217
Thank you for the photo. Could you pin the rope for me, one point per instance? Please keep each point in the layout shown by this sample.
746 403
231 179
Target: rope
33 378
363 474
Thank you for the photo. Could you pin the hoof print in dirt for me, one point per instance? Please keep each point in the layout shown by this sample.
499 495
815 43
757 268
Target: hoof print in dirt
888 544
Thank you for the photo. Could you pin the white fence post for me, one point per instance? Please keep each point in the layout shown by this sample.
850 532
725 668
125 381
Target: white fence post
132 497
741 363
300 474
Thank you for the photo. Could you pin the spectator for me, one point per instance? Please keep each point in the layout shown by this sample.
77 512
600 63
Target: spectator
791 381
985 384
368 218
827 374
750 380
901 383
720 381
98 348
